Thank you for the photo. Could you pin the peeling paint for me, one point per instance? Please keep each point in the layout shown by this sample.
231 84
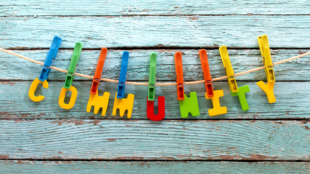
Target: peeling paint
5 82
4 156
76 122
129 158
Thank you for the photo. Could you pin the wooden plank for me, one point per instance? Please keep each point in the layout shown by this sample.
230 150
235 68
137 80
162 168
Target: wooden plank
14 68
24 167
151 31
147 140
158 7
292 101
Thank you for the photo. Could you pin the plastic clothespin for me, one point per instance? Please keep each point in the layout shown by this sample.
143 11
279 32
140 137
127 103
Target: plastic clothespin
73 64
69 79
121 103
151 93
95 100
234 90
98 71
122 76
152 77
51 55
210 94
187 104
265 52
206 72
228 68
179 72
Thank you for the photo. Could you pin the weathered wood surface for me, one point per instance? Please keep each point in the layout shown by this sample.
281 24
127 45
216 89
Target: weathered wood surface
148 140
151 31
45 131
14 68
166 167
292 101
154 7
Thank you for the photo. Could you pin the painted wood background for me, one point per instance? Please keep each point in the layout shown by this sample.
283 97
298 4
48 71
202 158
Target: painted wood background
43 138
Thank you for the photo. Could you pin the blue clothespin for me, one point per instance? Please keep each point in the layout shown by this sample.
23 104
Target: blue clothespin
122 76
51 55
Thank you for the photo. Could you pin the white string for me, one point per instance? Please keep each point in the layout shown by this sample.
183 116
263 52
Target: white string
157 84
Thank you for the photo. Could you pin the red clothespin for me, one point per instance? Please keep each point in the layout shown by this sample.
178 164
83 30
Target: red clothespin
179 72
206 72
98 72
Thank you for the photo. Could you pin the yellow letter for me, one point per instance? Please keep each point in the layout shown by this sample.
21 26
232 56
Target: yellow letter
62 96
268 89
123 105
33 88
217 109
98 102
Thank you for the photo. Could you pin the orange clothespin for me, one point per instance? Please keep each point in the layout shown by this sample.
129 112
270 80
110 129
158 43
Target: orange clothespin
179 72
210 94
206 72
98 71
187 104
94 99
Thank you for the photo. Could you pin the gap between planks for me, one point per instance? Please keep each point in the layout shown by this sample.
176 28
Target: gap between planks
136 160
176 48
146 15
117 118
159 81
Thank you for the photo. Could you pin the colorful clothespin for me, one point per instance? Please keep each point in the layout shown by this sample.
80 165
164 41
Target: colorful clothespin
187 105
122 76
51 55
151 93
179 72
121 103
210 94
234 90
265 52
69 79
206 72
95 100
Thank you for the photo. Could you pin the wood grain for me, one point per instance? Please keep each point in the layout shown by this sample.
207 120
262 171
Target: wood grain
292 101
152 31
147 140
158 7
43 131
14 68
164 167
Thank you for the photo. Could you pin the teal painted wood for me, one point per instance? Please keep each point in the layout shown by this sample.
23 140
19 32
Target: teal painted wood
14 68
158 7
292 101
178 24
147 140
151 31
26 167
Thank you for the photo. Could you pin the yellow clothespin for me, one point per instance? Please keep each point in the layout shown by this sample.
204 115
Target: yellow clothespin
234 90
265 52
228 68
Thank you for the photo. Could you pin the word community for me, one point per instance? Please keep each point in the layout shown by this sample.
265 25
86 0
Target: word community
187 104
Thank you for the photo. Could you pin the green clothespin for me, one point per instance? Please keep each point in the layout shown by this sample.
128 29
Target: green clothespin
152 77
73 64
